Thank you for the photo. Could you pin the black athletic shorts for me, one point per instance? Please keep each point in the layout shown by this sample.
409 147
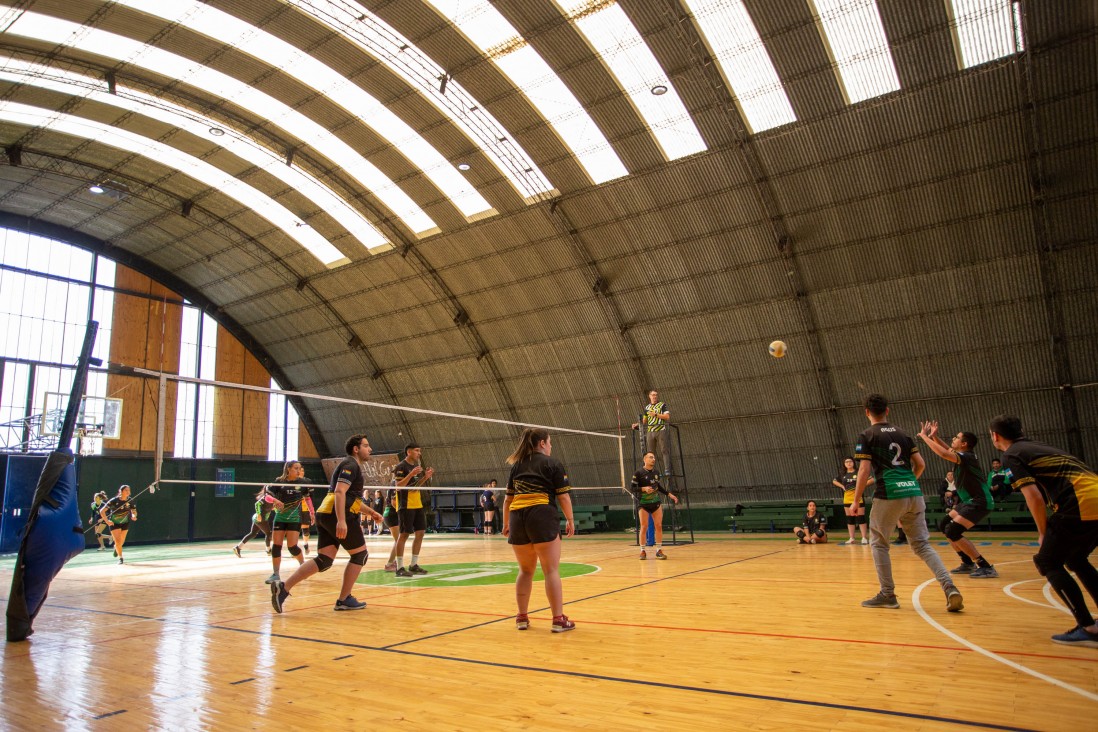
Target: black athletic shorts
972 512
119 526
651 507
287 526
326 532
412 520
391 519
1067 539
534 525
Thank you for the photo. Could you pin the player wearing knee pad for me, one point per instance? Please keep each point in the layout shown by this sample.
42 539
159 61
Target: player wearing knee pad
855 514
1046 474
338 525
975 501
813 528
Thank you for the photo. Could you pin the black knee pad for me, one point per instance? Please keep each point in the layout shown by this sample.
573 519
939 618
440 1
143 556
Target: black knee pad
323 563
295 550
859 520
820 533
799 533
954 531
359 558
276 550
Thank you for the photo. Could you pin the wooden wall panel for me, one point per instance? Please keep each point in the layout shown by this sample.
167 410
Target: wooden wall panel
145 333
241 419
305 447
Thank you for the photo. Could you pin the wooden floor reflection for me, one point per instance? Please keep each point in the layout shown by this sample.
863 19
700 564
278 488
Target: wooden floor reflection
748 633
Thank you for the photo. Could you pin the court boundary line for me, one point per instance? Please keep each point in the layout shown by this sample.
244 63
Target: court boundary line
583 674
915 601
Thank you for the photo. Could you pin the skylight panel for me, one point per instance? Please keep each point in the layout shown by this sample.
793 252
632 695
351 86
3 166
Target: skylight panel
71 83
853 32
986 30
614 37
316 75
483 25
200 170
742 58
402 57
193 73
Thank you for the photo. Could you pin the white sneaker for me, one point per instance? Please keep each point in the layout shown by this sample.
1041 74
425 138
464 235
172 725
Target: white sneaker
865 542
272 579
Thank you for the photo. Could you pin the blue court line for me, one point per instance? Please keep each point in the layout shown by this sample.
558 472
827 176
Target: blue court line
581 674
584 599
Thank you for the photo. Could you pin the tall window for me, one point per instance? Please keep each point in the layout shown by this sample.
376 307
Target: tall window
194 415
283 428
48 292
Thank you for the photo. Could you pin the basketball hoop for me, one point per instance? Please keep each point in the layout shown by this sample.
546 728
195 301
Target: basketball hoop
91 437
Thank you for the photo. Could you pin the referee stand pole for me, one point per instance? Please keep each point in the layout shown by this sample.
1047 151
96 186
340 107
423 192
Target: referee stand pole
678 479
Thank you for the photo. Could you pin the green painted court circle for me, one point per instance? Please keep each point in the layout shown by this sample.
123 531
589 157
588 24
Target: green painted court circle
466 574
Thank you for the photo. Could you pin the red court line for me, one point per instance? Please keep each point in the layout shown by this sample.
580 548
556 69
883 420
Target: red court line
788 636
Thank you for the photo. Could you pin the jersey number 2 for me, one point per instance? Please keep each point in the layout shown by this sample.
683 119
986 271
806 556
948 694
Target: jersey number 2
899 451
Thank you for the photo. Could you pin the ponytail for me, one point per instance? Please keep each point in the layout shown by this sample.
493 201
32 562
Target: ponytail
286 471
529 440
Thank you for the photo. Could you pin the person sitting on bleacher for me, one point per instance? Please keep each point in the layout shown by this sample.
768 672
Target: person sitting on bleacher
813 528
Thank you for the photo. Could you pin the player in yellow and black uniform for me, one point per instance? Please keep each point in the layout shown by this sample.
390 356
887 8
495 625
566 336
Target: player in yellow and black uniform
891 454
411 513
118 513
536 484
338 525
813 528
1046 475
855 515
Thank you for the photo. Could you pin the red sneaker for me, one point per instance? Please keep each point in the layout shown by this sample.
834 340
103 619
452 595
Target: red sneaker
522 622
561 624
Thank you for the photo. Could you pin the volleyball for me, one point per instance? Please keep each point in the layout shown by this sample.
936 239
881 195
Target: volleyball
777 349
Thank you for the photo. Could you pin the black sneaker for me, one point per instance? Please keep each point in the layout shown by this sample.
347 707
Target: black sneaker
278 595
402 572
349 603
882 600
660 554
416 569
121 560
963 569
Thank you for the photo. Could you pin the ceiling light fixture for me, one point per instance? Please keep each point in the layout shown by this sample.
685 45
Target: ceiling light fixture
217 131
463 166
96 188
659 90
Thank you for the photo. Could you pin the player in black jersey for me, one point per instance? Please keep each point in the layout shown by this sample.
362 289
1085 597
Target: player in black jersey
536 484
118 513
855 515
646 486
813 528
338 525
411 511
976 501
894 458
1046 475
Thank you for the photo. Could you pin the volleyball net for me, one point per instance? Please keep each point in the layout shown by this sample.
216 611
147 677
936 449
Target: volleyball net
181 418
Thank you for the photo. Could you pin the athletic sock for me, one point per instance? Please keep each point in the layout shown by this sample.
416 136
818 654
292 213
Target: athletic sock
983 563
400 562
415 559
965 559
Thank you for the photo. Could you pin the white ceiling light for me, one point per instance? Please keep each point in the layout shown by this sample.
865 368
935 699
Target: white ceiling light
855 36
132 100
381 41
620 46
497 39
742 58
326 81
193 73
200 170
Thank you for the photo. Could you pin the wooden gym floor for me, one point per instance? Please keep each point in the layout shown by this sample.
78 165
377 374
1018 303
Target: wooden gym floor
751 633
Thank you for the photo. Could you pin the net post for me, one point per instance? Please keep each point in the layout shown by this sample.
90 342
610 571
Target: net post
158 459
